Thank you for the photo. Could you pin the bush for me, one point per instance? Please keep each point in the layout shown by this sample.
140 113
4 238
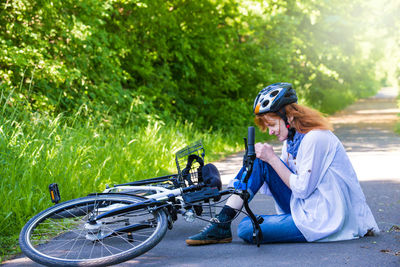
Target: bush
197 61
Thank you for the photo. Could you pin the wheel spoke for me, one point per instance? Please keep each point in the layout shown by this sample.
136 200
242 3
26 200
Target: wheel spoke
62 233
74 243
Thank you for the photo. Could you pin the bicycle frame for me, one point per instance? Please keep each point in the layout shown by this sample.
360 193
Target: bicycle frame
164 197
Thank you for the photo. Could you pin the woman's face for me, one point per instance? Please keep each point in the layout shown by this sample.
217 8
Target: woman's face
276 126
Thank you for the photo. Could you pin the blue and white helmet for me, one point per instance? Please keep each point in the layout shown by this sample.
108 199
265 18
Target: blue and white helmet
273 97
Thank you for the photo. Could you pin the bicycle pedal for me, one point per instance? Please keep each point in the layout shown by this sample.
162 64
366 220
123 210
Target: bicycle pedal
54 193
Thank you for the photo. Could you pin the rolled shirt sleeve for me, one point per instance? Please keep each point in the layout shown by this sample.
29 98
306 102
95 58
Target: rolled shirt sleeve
314 157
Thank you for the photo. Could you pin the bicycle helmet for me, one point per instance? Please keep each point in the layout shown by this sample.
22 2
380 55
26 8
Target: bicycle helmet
211 176
273 97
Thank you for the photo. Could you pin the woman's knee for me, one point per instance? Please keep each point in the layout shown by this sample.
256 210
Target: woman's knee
245 230
275 229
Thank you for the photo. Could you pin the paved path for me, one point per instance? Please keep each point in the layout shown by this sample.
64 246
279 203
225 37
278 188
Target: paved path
366 131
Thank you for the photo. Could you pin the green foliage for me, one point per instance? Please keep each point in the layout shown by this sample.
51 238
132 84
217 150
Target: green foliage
8 246
201 61
321 56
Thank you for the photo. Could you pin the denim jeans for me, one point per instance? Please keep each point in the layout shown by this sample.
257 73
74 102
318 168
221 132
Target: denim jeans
275 228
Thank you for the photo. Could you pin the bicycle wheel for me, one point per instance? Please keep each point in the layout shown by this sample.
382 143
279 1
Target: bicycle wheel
60 235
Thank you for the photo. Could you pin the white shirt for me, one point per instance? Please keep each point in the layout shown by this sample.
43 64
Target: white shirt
327 202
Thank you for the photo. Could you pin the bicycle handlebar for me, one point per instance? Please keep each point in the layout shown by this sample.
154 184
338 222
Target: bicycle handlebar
250 141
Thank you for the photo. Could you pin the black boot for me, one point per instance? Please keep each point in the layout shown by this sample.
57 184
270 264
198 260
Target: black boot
215 232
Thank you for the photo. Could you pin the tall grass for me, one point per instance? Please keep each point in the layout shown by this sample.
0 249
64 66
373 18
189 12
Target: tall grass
82 157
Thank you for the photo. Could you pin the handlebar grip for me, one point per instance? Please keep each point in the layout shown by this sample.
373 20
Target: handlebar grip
250 141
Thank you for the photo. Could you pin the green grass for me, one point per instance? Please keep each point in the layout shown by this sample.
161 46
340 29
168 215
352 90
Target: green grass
82 157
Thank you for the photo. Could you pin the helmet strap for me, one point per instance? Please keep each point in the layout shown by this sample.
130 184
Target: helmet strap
292 132
282 113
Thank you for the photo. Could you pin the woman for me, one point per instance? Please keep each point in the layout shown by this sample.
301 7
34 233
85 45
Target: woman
316 191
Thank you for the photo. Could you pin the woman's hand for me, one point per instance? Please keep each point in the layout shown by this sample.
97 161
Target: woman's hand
265 152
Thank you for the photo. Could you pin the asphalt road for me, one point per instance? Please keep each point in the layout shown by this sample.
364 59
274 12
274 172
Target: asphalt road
366 130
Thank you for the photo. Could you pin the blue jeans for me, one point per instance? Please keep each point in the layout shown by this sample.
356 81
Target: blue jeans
275 228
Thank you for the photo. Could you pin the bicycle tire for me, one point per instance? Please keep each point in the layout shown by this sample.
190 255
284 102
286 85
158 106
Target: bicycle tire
51 240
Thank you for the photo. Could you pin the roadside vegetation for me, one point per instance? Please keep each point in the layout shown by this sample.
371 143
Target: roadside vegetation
82 158
102 92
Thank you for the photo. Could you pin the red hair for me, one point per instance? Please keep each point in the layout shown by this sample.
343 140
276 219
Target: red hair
304 119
